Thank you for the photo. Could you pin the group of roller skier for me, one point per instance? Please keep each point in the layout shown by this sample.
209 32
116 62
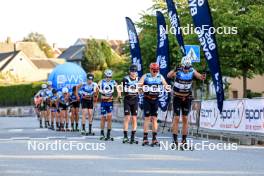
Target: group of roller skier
52 105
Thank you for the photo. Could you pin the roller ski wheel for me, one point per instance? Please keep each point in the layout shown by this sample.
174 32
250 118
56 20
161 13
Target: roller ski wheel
109 139
125 140
145 143
185 147
83 132
155 143
102 138
133 142
90 134
175 145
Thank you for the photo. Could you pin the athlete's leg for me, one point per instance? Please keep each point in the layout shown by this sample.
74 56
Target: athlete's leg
90 119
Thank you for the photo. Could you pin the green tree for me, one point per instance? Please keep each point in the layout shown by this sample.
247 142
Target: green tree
42 43
93 56
241 55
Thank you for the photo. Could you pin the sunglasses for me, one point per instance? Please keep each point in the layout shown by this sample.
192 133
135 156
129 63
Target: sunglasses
133 70
155 71
109 77
186 68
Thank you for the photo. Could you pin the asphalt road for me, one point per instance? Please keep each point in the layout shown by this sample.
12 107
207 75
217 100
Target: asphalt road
27 150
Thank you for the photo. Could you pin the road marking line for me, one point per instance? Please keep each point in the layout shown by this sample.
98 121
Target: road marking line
40 129
15 130
64 157
20 138
193 172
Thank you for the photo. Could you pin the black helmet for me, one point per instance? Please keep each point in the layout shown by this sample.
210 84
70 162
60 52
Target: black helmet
90 76
54 91
133 68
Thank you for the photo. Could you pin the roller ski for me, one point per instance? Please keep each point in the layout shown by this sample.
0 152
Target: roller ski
126 140
83 132
52 127
186 147
90 134
108 138
102 137
175 145
133 141
155 143
145 143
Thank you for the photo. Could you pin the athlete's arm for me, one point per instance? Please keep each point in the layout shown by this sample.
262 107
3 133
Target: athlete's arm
171 74
199 75
141 81
96 92
118 90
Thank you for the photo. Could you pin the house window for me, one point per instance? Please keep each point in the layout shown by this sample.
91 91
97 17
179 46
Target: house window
235 94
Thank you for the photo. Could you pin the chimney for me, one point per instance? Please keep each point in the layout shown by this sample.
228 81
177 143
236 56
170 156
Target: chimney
15 47
8 40
54 45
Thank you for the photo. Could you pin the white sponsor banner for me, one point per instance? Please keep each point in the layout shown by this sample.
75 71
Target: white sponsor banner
245 115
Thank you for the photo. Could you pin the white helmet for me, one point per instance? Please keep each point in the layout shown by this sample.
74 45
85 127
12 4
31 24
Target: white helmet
186 62
65 90
44 86
108 73
49 83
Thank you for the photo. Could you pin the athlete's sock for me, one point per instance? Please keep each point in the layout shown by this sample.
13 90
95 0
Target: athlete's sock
154 136
184 138
175 138
102 132
83 127
90 128
61 125
76 125
57 124
145 136
66 125
125 134
108 133
133 135
72 125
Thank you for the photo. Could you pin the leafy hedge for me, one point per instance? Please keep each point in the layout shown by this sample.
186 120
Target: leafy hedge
18 95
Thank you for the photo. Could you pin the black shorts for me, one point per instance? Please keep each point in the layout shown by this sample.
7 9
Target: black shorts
63 107
75 104
131 105
150 107
43 106
181 104
87 104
